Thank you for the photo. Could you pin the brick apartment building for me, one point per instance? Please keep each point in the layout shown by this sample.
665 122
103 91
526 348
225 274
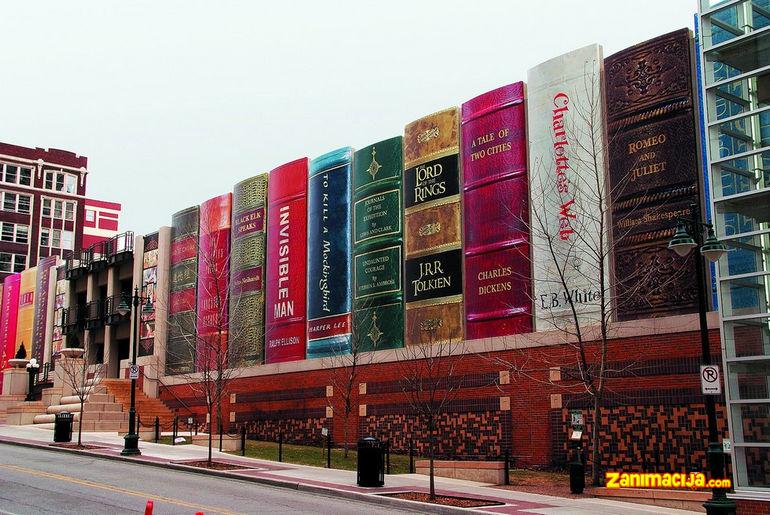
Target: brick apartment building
43 207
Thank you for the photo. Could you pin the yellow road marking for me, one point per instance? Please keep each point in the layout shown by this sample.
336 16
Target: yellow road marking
111 488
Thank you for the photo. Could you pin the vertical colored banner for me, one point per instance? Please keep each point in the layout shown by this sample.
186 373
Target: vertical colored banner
8 319
149 286
568 204
213 282
182 326
26 313
433 278
654 174
286 285
247 270
329 323
60 304
42 283
498 292
378 249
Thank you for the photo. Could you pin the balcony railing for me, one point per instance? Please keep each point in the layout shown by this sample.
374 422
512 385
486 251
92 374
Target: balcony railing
73 319
76 265
111 314
97 256
121 247
95 314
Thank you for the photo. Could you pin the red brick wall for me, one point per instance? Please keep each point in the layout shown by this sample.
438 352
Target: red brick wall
746 507
653 405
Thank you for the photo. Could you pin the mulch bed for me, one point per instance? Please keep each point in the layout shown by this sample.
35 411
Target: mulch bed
214 465
445 500
75 446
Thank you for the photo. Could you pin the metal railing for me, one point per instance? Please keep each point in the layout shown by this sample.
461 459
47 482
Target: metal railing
111 304
94 314
73 318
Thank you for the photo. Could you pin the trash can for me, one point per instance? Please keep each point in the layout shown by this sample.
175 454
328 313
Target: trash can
577 469
371 462
62 427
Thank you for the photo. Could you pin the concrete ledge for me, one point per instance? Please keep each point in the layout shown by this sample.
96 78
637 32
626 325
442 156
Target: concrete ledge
229 442
492 472
679 499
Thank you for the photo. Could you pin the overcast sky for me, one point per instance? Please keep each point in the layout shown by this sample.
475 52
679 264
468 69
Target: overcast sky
174 102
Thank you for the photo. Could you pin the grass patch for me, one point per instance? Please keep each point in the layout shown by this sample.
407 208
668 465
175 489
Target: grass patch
316 456
167 440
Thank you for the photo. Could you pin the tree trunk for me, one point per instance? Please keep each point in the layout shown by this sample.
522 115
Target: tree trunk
80 421
211 418
595 457
345 419
432 444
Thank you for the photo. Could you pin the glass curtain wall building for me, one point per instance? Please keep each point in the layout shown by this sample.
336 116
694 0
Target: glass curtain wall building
735 61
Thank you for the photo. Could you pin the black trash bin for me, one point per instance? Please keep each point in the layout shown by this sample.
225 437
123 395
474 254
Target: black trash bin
62 427
577 469
371 462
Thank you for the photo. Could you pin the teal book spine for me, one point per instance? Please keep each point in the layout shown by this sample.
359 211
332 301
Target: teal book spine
378 241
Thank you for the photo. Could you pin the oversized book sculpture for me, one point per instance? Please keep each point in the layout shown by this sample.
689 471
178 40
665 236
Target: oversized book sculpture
498 297
433 229
182 324
285 327
378 293
329 323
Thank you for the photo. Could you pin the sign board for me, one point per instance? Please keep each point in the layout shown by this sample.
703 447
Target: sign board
133 372
576 435
727 445
325 431
709 380
190 421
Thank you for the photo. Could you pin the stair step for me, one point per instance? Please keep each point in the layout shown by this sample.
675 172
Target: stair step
58 408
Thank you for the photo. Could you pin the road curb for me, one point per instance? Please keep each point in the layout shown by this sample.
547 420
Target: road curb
293 485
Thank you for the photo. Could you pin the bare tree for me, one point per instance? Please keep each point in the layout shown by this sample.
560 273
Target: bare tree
82 376
430 382
216 354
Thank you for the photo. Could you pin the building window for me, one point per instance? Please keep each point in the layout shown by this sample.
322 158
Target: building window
56 238
57 209
59 182
15 174
46 207
17 233
69 210
45 237
70 183
16 202
90 215
12 262
67 239
48 181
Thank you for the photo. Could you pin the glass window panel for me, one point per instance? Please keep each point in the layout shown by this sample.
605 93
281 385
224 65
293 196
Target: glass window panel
59 182
7 232
740 135
22 234
70 183
745 255
46 207
750 380
735 59
11 173
24 204
44 237
751 422
740 175
749 213
48 181
56 238
57 209
66 240
25 176
5 262
20 263
69 211
750 337
9 201
745 296
753 466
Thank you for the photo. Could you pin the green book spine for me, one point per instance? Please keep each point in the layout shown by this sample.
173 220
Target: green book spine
378 237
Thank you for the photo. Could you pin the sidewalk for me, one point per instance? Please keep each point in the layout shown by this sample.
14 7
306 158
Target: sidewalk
332 481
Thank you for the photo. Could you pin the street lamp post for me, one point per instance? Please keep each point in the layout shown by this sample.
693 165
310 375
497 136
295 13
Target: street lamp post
712 249
131 440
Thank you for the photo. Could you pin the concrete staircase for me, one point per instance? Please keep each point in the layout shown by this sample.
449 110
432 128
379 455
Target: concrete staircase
147 408
100 411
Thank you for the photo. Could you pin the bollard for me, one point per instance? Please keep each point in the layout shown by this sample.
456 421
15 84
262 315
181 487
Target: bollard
220 437
387 457
280 447
243 440
411 456
157 429
329 450
507 467
148 508
174 429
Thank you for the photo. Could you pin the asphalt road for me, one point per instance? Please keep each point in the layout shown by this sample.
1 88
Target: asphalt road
39 481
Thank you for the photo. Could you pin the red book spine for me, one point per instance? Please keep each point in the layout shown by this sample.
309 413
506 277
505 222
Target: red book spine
498 298
213 281
10 312
286 288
